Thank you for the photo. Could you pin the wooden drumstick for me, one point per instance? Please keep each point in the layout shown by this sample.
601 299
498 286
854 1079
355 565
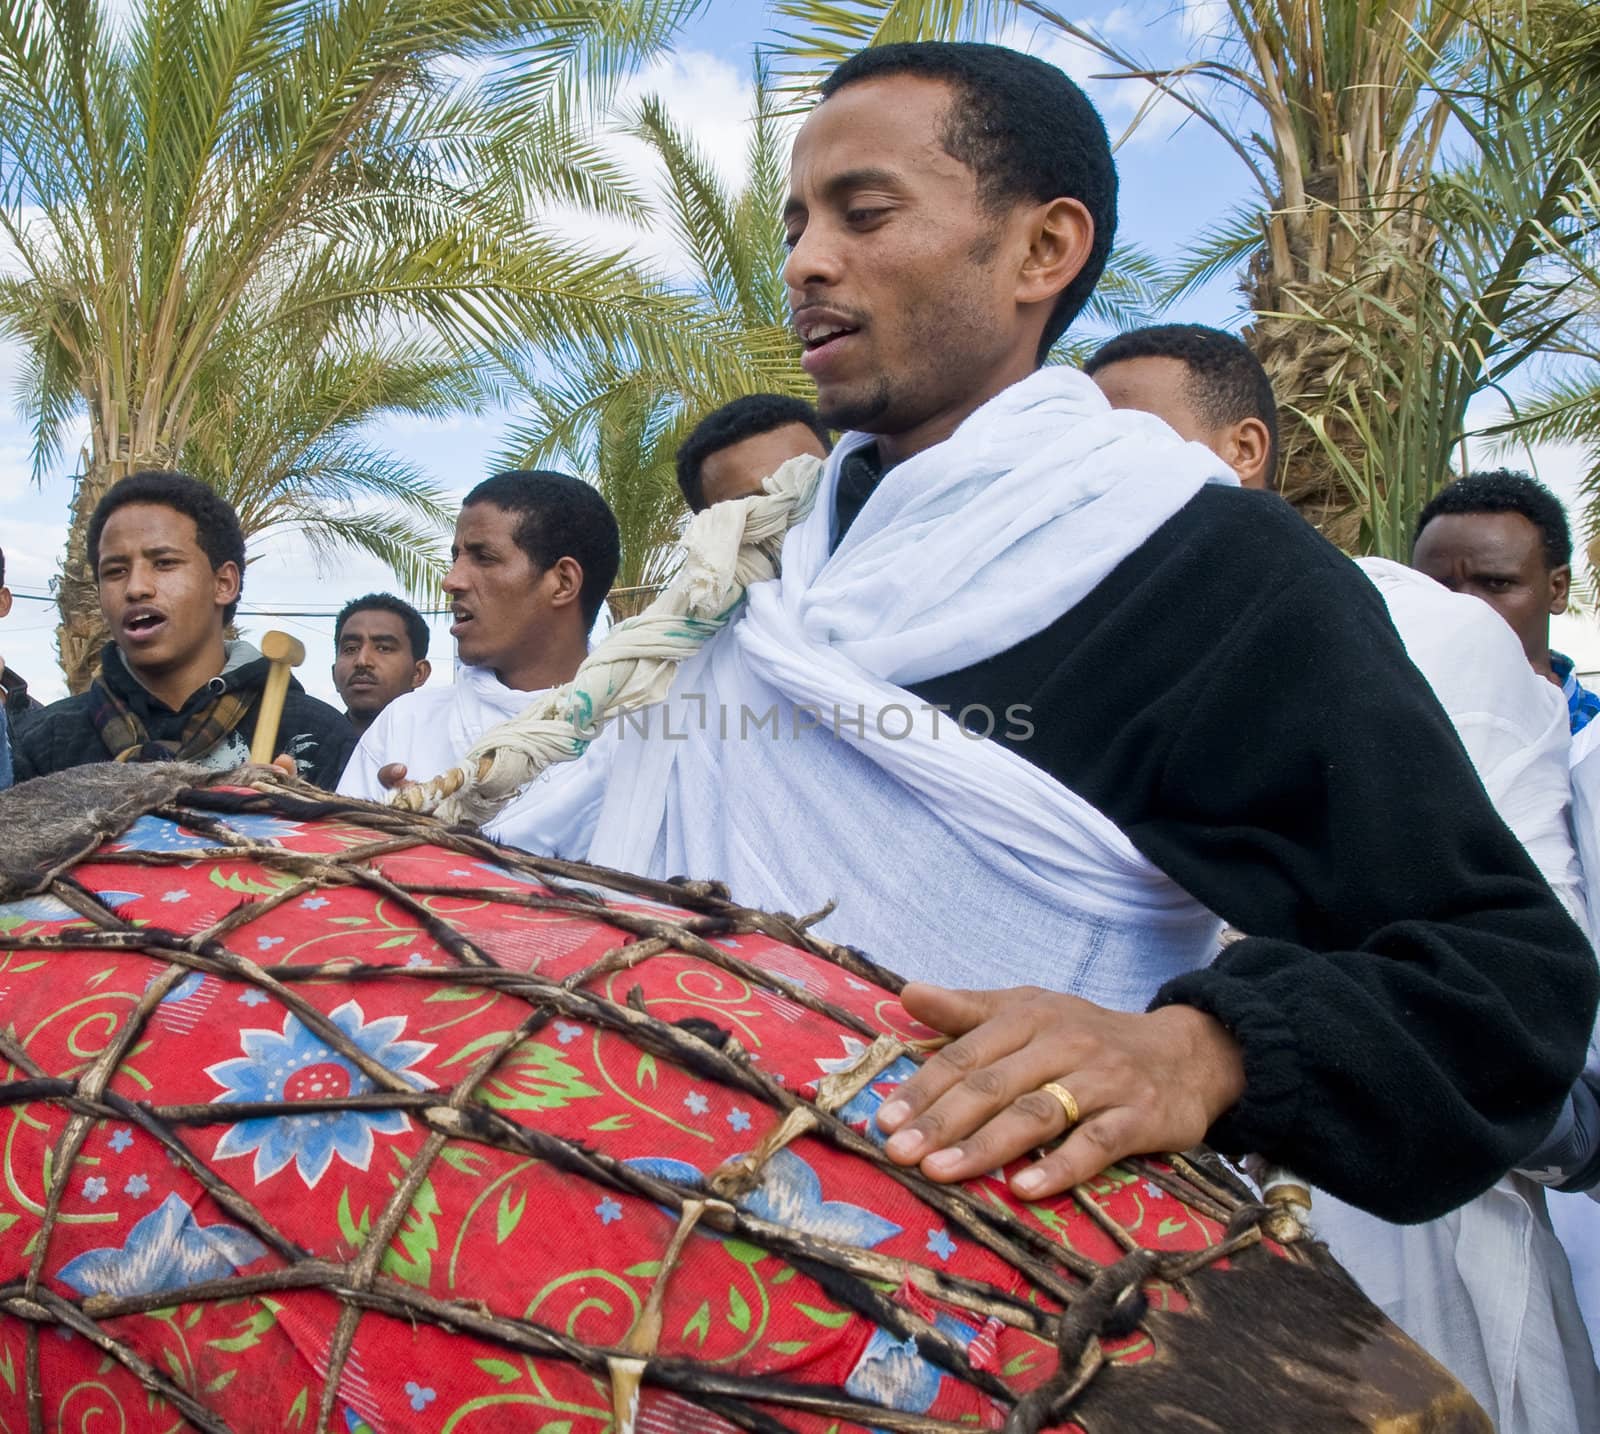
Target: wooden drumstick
283 652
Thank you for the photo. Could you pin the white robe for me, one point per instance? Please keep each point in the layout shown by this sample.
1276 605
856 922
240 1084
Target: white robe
1576 1217
997 874
1486 1289
431 729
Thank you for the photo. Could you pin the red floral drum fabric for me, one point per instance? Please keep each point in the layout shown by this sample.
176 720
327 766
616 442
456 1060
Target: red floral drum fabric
258 1040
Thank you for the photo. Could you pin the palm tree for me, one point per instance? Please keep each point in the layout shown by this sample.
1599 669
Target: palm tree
1384 275
291 448
621 415
220 182
1566 407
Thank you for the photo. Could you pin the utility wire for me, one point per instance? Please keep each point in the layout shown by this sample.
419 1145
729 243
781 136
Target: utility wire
23 596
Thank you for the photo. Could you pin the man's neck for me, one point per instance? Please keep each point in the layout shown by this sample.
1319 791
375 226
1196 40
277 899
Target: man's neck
360 720
1544 666
553 664
897 447
175 685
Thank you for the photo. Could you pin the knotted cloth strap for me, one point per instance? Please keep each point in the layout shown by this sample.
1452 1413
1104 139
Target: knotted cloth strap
725 549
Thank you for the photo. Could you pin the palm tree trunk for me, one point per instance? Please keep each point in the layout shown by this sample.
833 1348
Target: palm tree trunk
82 631
1303 317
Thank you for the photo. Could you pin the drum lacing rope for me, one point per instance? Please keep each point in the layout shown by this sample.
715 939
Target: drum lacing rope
1097 1301
725 549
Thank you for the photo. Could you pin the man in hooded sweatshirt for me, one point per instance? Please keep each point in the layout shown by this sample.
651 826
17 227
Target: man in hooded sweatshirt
533 557
168 556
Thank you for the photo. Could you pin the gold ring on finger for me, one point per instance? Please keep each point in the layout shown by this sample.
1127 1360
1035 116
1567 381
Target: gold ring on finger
1069 1102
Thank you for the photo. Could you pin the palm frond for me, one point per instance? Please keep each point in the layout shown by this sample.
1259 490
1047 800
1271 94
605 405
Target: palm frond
825 34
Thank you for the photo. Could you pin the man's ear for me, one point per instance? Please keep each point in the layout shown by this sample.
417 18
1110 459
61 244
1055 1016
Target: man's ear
226 580
421 672
1060 237
1560 587
566 576
5 602
1250 452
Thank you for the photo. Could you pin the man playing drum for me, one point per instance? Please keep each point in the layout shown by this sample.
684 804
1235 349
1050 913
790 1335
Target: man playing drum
1038 698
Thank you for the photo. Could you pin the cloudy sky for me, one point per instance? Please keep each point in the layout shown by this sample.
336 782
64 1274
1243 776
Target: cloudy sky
1176 179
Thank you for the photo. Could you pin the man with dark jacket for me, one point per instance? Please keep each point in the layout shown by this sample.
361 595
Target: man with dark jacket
168 555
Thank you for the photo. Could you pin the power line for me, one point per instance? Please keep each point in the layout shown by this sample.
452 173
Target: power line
249 611
333 612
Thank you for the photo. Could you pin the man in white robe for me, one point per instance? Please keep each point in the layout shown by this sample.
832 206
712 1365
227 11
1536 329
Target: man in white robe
533 557
991 705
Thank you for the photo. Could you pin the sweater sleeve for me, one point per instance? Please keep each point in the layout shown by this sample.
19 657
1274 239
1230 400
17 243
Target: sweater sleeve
54 737
336 743
317 736
1412 1001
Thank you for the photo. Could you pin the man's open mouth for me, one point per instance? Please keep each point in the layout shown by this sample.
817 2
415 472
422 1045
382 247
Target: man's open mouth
819 333
143 623
460 617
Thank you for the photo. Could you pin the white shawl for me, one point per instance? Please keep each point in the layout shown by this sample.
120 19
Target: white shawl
790 760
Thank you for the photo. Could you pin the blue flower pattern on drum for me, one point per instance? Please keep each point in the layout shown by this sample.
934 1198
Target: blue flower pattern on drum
152 833
183 990
158 834
295 1064
166 1250
892 1373
790 1194
258 826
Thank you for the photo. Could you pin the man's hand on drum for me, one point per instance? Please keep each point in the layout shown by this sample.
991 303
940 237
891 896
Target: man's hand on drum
1141 1084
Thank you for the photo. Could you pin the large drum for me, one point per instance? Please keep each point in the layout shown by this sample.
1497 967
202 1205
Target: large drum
321 1116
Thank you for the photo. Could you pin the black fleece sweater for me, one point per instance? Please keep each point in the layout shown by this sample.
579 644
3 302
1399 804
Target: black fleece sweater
64 735
1412 1001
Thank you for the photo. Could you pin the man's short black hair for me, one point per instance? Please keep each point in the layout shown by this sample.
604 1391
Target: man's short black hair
734 422
1024 129
2 567
559 517
1502 491
1227 383
216 524
416 628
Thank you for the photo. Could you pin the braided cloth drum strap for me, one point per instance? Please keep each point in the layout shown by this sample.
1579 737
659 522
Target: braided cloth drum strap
727 547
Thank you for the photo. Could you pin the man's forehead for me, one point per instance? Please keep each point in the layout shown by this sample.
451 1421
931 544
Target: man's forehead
889 127
374 622
1499 535
149 525
487 523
